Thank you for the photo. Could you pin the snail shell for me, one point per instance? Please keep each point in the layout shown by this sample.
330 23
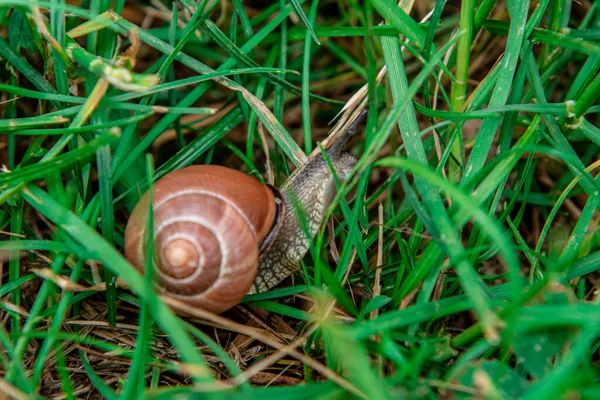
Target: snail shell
210 225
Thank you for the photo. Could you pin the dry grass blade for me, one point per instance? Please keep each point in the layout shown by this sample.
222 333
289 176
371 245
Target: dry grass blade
15 308
377 281
64 283
8 391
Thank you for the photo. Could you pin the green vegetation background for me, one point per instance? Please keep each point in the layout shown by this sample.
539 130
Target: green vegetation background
466 266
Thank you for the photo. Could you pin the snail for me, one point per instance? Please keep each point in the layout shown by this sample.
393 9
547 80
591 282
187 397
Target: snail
220 234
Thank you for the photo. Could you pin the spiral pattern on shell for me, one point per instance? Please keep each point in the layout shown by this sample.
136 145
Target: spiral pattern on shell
209 224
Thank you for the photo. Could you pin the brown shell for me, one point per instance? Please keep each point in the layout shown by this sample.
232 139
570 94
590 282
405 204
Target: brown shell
209 223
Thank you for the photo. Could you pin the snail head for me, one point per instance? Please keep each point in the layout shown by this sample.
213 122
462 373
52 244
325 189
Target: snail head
336 149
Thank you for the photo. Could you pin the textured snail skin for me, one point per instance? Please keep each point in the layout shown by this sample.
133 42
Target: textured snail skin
209 223
307 194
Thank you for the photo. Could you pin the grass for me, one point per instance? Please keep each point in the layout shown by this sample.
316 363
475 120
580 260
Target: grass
466 266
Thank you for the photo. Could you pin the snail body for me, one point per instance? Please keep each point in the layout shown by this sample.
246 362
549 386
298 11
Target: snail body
220 234
306 194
